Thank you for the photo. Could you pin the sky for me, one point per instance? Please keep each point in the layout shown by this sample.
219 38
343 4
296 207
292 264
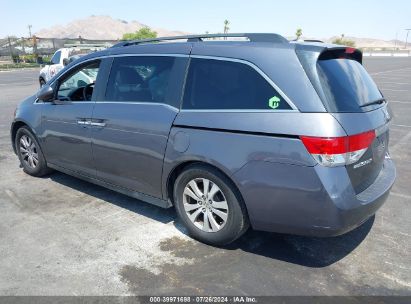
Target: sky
318 18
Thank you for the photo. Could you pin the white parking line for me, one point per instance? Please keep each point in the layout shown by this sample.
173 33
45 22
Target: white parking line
401 195
395 279
389 71
399 101
395 90
402 126
387 76
393 82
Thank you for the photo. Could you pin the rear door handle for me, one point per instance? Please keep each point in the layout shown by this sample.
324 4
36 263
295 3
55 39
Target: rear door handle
98 124
83 122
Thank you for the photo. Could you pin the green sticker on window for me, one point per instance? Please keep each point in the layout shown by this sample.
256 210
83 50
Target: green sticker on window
274 102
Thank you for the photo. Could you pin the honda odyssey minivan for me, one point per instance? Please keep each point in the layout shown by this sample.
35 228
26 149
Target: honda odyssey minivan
290 137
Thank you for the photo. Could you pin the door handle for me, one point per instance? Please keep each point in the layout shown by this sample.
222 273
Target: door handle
98 124
83 122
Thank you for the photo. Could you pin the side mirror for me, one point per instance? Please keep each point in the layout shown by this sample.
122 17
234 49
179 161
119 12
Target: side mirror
46 93
65 61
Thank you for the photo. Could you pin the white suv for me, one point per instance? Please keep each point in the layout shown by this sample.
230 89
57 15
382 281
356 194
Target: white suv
48 71
64 56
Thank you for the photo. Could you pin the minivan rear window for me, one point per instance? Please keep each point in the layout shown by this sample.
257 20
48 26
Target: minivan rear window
346 85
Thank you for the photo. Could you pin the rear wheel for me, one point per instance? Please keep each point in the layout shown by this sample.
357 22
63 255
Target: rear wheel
209 205
30 155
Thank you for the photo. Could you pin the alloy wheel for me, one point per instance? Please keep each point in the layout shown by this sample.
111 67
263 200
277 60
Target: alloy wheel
205 205
28 151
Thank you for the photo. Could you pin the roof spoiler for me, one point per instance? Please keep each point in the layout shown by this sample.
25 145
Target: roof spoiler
328 51
341 52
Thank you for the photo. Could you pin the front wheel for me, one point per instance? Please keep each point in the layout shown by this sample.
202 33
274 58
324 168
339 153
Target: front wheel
209 205
30 155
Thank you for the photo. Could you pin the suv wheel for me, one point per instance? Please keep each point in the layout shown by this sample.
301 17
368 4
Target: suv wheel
30 154
209 205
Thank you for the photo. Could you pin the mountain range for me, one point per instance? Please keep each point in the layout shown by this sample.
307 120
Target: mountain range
108 28
99 28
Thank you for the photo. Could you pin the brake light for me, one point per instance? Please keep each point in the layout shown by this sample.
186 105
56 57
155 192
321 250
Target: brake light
338 151
349 50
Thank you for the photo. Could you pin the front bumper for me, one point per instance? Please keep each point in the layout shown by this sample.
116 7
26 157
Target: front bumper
314 201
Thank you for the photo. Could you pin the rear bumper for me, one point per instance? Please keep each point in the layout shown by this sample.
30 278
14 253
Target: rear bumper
314 201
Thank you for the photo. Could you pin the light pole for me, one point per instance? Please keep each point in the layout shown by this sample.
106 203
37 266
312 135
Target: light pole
406 37
29 26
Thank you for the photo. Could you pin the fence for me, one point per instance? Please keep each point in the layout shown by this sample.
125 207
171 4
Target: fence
37 49
34 49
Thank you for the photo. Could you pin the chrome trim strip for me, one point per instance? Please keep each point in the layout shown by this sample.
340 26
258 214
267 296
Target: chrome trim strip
141 103
238 111
38 102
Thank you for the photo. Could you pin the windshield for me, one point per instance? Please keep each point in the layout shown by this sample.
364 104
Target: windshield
346 85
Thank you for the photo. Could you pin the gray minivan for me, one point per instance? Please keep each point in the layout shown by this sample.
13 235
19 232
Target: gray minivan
290 137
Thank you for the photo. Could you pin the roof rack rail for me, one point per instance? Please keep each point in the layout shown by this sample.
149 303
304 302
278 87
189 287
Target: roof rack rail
253 37
313 40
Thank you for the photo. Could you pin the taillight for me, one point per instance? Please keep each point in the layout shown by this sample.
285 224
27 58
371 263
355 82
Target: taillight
338 151
350 50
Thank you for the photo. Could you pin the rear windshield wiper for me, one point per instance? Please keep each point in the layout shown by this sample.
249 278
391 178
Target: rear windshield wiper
378 101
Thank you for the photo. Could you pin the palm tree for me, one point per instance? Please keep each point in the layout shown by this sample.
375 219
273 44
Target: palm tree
299 33
226 26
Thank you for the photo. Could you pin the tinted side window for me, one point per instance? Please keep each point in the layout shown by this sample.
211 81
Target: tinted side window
56 58
138 78
219 84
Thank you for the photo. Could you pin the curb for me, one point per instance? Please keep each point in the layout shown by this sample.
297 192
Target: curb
18 69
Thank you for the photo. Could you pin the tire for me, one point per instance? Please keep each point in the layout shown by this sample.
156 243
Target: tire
42 82
29 152
212 221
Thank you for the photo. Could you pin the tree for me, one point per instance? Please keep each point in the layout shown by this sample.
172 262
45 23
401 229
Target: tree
143 33
343 41
299 33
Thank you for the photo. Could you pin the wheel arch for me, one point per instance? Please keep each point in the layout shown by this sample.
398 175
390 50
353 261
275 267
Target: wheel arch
175 172
17 125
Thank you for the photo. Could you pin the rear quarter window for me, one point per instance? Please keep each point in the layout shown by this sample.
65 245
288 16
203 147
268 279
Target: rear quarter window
221 84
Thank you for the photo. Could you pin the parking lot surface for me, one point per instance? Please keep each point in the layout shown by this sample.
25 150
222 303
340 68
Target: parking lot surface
63 236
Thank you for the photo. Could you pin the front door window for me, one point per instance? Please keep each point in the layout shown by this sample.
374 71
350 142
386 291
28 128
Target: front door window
79 85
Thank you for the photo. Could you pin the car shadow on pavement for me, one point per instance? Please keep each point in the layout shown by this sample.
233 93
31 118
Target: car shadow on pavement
301 250
151 211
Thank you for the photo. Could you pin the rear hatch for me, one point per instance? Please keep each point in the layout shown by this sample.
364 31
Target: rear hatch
351 96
